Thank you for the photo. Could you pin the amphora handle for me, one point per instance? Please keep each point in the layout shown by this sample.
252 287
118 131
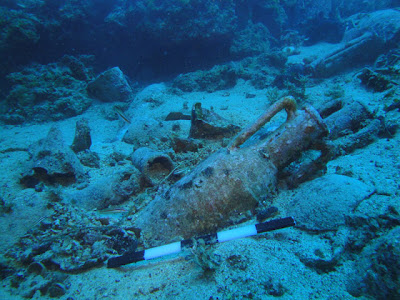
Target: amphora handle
287 103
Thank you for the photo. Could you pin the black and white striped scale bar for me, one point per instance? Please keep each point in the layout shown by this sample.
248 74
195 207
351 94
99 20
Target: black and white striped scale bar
218 237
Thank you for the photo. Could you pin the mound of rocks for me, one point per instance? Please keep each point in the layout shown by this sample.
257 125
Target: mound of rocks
42 93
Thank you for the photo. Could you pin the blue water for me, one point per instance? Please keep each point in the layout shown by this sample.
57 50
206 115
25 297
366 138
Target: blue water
124 127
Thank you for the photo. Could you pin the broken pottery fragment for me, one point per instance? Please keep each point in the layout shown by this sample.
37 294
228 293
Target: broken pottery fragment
176 115
53 162
206 124
154 165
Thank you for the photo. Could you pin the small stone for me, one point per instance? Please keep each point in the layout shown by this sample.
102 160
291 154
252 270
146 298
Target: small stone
82 140
89 159
57 290
267 213
185 145
250 95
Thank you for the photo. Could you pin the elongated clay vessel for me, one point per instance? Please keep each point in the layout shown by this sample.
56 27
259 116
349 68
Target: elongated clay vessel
232 180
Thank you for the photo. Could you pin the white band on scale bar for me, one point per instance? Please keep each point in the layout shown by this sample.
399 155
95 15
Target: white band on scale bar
218 237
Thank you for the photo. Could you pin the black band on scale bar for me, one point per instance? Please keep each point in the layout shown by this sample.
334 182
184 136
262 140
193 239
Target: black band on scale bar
219 237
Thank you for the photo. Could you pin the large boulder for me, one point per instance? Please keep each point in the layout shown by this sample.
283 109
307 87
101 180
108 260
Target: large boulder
110 86
324 203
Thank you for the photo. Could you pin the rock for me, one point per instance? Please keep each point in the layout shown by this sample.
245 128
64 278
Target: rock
374 81
52 162
6 206
377 273
171 34
366 225
120 241
219 77
351 7
77 67
323 204
42 93
116 158
252 40
274 287
18 30
77 264
56 290
89 159
207 124
385 24
82 140
33 285
321 261
179 21
148 132
110 86
153 93
112 189
185 145
266 213
5 269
